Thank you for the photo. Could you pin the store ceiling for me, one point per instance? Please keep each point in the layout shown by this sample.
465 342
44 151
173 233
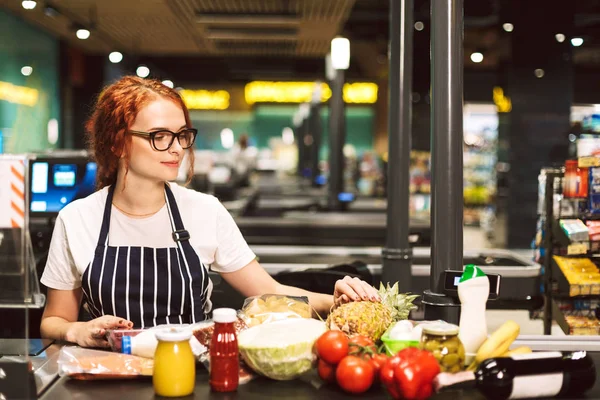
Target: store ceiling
292 28
277 39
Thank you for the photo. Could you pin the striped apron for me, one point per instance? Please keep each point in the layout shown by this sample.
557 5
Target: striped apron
147 286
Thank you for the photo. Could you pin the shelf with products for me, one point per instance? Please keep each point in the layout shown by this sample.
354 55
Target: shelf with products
577 317
569 240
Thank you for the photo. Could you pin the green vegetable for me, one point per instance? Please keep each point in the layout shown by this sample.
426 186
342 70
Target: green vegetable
281 350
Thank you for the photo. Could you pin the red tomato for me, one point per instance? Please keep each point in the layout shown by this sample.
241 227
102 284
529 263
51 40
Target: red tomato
378 361
326 371
332 346
354 374
358 341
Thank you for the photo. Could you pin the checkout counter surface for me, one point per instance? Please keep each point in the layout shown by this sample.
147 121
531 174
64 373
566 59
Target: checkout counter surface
262 388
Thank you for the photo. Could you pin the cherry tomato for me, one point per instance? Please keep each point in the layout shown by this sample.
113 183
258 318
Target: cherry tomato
332 346
326 371
354 374
358 341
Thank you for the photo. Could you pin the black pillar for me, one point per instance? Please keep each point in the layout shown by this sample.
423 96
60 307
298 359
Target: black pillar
397 254
337 139
446 154
541 106
316 129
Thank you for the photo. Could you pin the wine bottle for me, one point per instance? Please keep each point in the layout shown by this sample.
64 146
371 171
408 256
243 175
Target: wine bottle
538 374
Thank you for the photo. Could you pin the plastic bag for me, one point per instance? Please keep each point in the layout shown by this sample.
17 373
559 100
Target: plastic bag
87 364
203 331
273 307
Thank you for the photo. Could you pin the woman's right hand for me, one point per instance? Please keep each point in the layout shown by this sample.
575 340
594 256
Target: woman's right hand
93 333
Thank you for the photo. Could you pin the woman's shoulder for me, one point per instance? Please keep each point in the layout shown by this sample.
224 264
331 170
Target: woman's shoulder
191 197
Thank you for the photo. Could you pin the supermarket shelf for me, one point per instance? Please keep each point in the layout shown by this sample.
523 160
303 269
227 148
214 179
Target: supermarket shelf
559 317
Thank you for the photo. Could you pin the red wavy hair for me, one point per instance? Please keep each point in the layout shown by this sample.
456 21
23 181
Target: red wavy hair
115 111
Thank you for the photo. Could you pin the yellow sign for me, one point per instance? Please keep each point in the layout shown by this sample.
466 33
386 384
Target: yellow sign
205 99
502 102
18 94
302 92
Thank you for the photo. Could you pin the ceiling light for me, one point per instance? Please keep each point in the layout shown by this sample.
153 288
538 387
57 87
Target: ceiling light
419 26
115 57
577 41
26 70
539 73
508 27
142 71
560 37
476 57
29 4
340 53
83 33
168 83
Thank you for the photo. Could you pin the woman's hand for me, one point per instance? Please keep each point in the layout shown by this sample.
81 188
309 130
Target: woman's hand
353 289
92 333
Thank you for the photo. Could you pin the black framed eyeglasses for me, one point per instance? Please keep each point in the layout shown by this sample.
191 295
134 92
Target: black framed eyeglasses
163 139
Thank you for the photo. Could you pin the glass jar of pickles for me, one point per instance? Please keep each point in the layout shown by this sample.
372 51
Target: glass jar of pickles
442 340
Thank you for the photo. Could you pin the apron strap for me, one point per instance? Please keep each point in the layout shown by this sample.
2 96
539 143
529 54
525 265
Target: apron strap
179 232
102 239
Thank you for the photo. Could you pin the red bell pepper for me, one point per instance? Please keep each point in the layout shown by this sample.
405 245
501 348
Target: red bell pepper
409 374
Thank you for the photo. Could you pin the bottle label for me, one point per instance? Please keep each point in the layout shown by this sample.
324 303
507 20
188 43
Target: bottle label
537 355
126 344
547 385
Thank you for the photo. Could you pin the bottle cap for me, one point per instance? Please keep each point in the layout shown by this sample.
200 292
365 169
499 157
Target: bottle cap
440 328
224 315
173 334
471 271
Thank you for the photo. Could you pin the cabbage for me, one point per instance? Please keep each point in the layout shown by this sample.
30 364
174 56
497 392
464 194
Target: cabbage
281 350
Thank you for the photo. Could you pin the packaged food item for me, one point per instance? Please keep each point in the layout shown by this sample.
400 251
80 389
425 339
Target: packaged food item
204 330
272 307
174 363
442 340
86 364
594 190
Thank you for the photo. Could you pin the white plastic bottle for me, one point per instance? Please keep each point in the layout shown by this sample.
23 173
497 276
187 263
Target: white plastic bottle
473 292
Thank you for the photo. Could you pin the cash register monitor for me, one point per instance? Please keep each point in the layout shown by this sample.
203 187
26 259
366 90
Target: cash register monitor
57 181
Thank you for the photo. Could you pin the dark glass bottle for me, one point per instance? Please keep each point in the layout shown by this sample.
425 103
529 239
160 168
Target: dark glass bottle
539 374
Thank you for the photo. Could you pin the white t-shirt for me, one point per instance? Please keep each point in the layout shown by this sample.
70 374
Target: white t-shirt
213 235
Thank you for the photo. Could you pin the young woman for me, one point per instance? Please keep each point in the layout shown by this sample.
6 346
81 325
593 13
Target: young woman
138 250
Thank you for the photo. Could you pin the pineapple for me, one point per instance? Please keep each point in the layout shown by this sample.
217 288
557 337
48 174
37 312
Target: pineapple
372 319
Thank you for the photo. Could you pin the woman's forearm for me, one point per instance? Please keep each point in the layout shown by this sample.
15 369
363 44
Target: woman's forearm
57 328
321 303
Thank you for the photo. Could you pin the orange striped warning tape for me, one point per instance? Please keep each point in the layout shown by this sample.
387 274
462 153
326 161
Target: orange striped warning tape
17 194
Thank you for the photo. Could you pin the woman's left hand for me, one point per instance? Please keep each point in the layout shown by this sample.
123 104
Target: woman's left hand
353 289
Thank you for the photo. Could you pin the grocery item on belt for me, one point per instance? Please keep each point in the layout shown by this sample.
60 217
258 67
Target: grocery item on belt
86 364
370 318
203 331
273 307
281 350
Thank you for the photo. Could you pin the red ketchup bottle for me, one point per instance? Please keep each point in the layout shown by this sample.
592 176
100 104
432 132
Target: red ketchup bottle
224 354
